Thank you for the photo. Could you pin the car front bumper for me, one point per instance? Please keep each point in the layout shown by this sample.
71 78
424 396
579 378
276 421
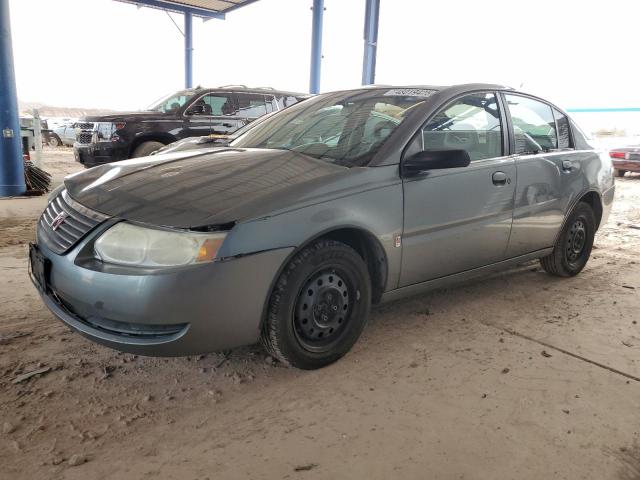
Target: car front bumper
185 311
93 154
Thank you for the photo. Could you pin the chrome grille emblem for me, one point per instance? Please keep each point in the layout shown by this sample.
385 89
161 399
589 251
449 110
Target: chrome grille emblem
56 222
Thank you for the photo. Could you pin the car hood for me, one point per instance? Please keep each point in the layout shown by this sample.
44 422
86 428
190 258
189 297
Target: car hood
195 188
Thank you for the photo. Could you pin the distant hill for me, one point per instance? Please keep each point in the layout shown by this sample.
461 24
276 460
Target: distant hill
26 108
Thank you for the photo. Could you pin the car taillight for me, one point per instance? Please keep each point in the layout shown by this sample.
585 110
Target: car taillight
614 154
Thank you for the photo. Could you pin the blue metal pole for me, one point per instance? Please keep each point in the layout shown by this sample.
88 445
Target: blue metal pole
11 163
188 50
371 16
316 46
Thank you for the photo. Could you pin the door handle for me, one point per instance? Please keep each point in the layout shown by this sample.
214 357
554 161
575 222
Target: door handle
567 166
500 178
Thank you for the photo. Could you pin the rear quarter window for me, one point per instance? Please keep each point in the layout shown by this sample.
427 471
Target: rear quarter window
564 130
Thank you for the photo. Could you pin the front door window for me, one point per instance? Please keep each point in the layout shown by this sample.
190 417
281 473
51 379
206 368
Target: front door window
471 123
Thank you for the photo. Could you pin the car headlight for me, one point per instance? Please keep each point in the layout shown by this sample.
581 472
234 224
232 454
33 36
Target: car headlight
127 244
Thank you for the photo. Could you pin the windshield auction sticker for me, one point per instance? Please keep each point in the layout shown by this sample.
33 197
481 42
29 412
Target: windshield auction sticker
409 92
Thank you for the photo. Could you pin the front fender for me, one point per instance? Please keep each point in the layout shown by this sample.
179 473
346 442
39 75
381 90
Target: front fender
378 211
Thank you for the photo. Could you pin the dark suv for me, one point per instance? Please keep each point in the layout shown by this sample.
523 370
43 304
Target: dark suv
187 113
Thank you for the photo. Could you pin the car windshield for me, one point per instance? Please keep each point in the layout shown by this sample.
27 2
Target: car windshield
171 103
345 130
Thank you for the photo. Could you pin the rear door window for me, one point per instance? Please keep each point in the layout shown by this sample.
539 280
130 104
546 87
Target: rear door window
287 101
471 123
534 126
271 103
251 105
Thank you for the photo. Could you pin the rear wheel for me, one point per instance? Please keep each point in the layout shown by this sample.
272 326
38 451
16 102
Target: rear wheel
620 173
319 306
145 148
574 244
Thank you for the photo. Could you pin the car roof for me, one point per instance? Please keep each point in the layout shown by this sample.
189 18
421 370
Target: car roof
440 88
244 88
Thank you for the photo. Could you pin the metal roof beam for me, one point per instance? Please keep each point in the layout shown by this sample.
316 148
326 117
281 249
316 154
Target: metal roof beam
239 5
179 8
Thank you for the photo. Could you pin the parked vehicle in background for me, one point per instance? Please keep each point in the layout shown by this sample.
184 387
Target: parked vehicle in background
188 113
289 234
625 159
27 123
27 137
63 135
210 141
55 122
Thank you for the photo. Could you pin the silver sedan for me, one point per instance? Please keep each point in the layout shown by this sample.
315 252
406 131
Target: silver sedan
290 233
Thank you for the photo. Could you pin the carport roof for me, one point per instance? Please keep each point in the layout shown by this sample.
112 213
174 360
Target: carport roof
200 8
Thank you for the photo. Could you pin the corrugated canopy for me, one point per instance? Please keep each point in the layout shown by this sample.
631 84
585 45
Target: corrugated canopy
200 8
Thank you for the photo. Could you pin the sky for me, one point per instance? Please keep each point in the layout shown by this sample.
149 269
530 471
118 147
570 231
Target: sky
108 54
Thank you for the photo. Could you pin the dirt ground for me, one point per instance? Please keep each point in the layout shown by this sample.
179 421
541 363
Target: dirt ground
518 376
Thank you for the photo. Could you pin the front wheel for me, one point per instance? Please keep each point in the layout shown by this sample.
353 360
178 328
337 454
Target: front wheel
573 247
319 306
145 148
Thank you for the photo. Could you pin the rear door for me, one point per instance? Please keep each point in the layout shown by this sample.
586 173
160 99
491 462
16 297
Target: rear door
547 165
460 218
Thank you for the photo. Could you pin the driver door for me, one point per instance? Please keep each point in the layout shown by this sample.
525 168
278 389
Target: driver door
458 219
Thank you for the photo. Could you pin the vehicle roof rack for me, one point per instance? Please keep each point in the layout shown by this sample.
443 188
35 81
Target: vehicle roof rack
265 88
233 86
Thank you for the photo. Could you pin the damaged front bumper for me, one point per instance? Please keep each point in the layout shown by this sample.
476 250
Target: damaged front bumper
181 311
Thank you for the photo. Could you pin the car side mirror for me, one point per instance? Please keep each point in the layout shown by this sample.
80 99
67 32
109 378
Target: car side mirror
196 110
434 160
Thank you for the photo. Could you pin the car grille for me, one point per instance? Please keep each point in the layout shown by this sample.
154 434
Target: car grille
84 137
84 132
65 222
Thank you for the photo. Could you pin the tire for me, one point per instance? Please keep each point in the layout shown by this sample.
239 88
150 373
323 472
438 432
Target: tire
54 141
573 247
619 173
318 307
145 148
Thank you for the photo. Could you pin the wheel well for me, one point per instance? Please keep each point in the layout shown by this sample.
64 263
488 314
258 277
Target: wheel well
371 252
152 138
593 199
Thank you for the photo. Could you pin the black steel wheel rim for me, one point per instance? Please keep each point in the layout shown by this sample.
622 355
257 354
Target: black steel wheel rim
576 240
323 308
